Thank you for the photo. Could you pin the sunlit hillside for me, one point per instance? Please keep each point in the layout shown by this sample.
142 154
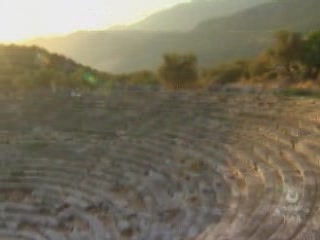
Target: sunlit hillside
186 16
25 67
33 67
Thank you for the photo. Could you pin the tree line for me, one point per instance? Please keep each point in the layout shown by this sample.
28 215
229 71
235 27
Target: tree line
293 58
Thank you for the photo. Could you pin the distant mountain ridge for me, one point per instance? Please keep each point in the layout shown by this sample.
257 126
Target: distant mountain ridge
295 15
186 16
214 41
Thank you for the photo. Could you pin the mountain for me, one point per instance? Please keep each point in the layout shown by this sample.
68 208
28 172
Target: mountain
186 16
214 41
293 15
115 51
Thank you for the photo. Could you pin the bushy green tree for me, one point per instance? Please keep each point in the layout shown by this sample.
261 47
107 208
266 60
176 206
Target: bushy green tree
311 53
287 49
179 71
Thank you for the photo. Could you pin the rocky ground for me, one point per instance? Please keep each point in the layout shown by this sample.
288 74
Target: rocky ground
155 165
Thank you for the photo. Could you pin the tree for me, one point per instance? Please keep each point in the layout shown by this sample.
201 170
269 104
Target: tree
311 53
179 71
287 49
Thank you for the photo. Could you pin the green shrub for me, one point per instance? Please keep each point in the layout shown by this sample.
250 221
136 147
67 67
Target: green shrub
298 92
227 73
270 75
179 71
258 68
141 78
311 54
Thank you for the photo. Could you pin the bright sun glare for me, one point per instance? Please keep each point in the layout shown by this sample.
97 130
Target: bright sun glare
21 19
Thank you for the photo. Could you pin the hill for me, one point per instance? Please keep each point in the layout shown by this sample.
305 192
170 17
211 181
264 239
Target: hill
275 15
186 16
27 67
241 35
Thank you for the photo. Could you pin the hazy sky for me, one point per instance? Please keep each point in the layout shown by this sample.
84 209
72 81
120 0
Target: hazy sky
20 19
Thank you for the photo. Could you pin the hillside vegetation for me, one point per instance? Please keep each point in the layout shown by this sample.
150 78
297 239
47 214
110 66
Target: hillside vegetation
291 61
28 67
